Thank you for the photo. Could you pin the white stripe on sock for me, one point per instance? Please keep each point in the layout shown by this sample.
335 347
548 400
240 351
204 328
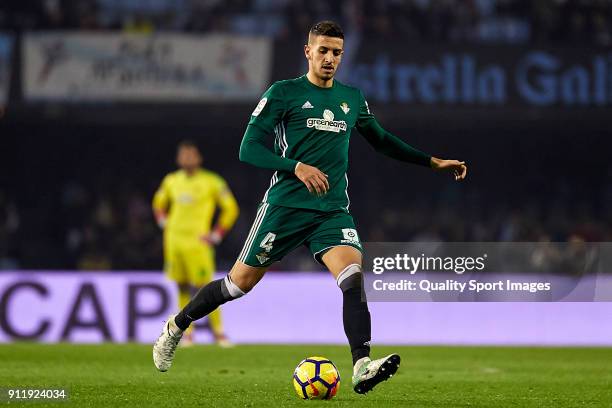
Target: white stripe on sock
347 272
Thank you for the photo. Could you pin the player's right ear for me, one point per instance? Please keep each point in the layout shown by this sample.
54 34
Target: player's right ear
307 51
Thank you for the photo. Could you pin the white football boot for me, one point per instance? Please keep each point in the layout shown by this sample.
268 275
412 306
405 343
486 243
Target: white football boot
165 346
368 373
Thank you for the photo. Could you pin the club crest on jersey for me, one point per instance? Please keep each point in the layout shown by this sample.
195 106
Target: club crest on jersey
327 123
345 108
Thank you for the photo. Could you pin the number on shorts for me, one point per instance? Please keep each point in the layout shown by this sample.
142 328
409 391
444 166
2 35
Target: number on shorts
268 241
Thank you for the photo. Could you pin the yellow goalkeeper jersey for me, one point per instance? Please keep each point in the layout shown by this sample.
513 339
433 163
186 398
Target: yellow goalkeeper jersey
191 201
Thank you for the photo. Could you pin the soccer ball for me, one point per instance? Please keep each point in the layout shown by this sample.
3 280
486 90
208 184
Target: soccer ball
316 378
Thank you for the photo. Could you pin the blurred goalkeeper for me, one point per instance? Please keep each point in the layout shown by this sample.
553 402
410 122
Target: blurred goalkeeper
184 207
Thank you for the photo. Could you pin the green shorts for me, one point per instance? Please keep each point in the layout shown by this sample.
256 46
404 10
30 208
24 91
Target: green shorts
279 230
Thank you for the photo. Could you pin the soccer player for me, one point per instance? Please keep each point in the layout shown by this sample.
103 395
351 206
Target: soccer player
184 207
307 202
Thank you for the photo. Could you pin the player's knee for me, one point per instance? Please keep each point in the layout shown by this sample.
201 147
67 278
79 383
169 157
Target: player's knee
230 289
350 277
245 277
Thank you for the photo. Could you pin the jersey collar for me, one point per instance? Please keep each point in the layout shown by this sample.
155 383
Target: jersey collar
311 85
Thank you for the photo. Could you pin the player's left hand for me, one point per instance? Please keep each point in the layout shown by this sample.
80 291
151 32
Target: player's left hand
214 237
458 168
161 219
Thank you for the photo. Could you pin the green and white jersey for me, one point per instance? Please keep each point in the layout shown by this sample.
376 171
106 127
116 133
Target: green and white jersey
311 125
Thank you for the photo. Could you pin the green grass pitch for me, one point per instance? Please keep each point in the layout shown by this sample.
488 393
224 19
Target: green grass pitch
260 376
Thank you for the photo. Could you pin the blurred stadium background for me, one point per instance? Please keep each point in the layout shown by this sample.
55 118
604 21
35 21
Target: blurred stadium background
96 94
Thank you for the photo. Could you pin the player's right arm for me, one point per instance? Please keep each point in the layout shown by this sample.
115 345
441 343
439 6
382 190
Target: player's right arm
253 150
161 202
266 116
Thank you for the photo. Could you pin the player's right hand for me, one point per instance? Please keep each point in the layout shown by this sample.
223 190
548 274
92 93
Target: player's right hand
314 179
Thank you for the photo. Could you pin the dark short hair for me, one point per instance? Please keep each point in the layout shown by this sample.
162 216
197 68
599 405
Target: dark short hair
187 144
328 28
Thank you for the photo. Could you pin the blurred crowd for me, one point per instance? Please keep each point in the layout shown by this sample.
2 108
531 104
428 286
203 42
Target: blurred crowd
477 21
87 227
93 229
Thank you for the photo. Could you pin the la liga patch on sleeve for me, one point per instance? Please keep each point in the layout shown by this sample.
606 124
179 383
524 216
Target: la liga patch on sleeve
259 107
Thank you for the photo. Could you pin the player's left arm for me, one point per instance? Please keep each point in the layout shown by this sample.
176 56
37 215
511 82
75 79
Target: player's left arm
394 147
228 214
